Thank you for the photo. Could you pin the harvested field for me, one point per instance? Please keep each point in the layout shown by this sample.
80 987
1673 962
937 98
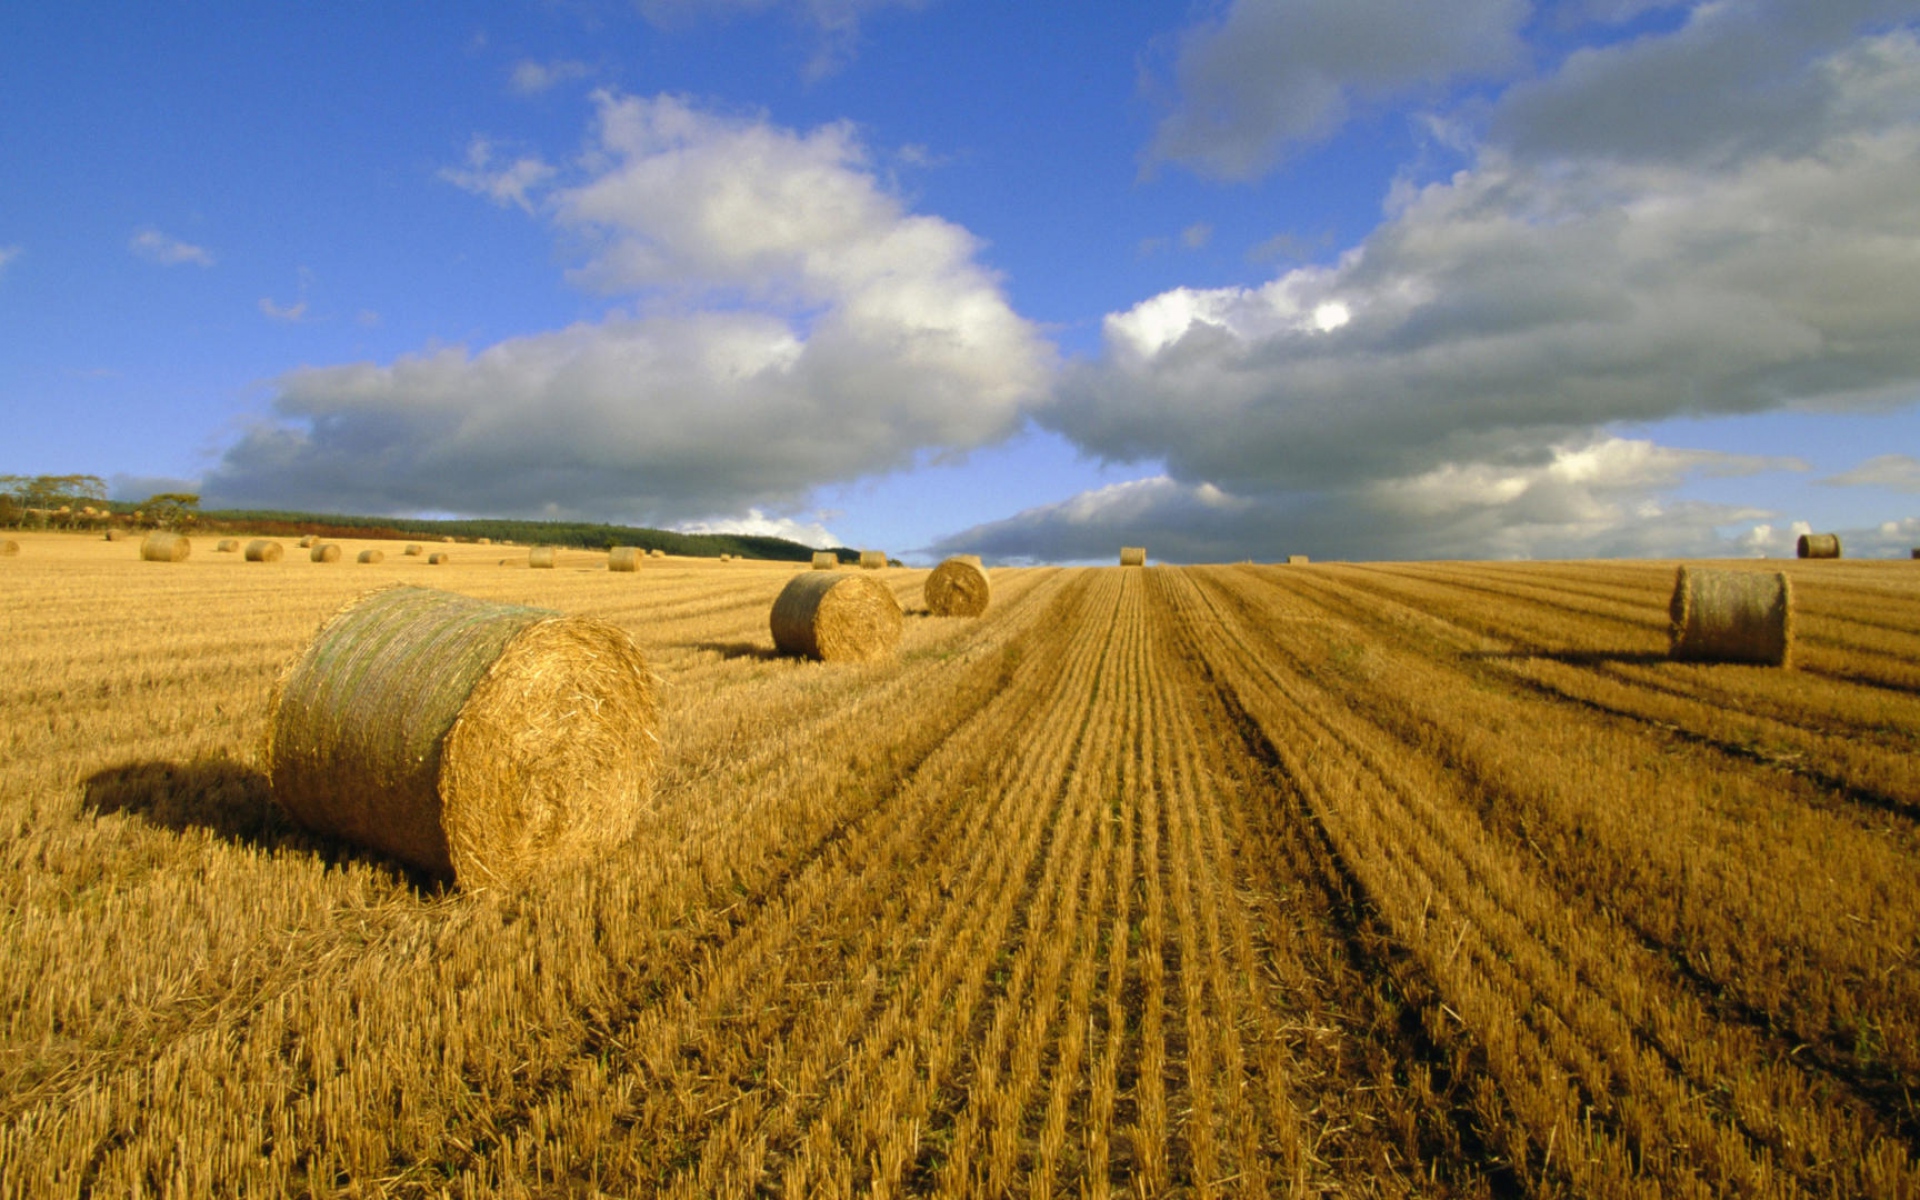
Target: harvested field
1431 879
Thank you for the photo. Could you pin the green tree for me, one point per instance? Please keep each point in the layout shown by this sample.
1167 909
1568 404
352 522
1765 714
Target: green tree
171 510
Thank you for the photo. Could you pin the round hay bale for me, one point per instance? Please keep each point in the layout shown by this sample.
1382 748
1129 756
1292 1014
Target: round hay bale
262 550
1818 545
324 552
837 616
227 546
656 552
9 548
116 535
543 557
372 556
625 558
308 541
825 560
872 560
958 588
1731 616
483 541
413 550
161 546
478 741
1133 556
1297 560
437 558
446 541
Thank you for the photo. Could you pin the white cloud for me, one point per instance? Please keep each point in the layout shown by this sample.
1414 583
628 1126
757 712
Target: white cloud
157 247
1271 74
504 183
1900 472
1196 236
757 523
799 326
292 314
530 78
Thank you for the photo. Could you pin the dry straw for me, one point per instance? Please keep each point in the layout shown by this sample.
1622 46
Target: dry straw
872 560
625 558
825 560
372 556
437 558
958 587
161 546
483 541
446 541
9 548
1732 616
308 541
413 550
324 552
1297 560
656 552
261 550
1818 545
1133 556
542 556
485 742
836 616
116 535
227 546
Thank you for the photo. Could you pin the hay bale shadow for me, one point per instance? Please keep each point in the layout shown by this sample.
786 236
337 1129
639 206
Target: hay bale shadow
1576 658
230 800
739 650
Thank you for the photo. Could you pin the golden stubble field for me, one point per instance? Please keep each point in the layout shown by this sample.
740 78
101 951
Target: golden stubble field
1237 880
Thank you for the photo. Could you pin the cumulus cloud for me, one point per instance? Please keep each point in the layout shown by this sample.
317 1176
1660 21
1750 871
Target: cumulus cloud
807 533
530 77
157 247
1901 472
798 325
1520 306
504 183
1273 74
1606 497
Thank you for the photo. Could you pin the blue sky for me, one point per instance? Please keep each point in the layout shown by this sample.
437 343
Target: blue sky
1353 278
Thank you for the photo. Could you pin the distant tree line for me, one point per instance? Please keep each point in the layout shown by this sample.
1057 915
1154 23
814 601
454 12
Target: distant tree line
80 502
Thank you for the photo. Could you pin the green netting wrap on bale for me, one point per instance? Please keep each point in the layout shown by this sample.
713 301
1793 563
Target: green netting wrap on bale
1818 545
625 558
1731 616
261 550
165 547
958 587
483 742
836 616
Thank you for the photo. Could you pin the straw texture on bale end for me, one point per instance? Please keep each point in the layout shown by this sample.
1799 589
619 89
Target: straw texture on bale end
488 743
825 560
308 541
958 587
324 552
543 557
413 550
836 616
372 556
262 550
165 547
872 560
9 548
1731 616
437 558
625 558
227 546
1818 545
1133 556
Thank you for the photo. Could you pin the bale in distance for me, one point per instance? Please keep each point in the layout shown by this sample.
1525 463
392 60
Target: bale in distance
261 550
483 541
116 535
9 548
413 550
1133 556
836 616
227 546
436 558
1731 616
483 742
161 546
872 560
1297 560
656 552
726 558
446 541
324 552
543 557
308 541
625 558
958 587
825 560
1818 545
372 556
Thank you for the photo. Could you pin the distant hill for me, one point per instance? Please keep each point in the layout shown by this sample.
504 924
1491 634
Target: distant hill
580 534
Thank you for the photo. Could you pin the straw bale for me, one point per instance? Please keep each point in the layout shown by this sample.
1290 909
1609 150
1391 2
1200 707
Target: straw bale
161 546
825 560
324 552
8 547
625 558
261 550
436 558
227 546
1297 560
1732 616
542 556
446 541
836 616
308 541
116 535
413 550
958 587
1133 556
489 743
1818 545
483 541
656 552
372 556
726 558
872 560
